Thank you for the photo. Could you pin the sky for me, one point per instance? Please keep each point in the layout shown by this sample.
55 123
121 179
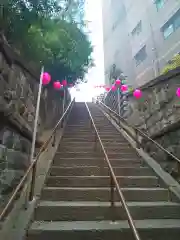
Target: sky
95 75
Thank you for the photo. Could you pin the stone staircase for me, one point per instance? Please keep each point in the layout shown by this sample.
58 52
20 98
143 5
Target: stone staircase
75 201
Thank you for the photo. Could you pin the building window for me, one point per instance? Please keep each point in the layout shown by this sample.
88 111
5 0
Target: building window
140 56
159 4
137 30
172 25
177 21
168 31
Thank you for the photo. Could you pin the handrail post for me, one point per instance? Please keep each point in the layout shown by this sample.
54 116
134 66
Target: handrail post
33 179
63 106
112 190
178 168
110 115
91 125
54 140
35 128
62 123
137 139
95 141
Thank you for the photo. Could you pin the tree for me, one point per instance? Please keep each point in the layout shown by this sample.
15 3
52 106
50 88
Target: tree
74 50
49 32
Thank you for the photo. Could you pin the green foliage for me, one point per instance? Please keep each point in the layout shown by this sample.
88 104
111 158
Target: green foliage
49 32
173 64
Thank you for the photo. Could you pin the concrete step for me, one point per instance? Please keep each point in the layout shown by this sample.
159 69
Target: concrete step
86 148
91 139
99 181
76 139
80 136
106 127
90 130
97 153
103 194
79 154
91 135
89 211
78 123
112 152
90 144
82 126
89 170
98 162
160 229
78 130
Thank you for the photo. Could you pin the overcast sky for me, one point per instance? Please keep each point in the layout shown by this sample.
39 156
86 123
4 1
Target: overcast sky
93 14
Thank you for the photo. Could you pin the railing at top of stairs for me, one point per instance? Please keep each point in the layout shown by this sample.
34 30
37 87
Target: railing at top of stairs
135 133
31 171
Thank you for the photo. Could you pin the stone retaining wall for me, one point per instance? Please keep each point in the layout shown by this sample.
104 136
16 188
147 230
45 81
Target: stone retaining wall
18 95
157 113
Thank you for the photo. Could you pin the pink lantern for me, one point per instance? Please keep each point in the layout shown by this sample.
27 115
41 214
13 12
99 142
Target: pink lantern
57 85
46 78
118 81
124 88
113 88
64 83
178 92
107 89
137 93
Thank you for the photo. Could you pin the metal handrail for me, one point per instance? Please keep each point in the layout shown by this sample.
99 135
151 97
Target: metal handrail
32 167
114 183
141 133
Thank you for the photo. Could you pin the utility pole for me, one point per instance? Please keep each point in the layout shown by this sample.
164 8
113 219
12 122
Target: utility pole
156 66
